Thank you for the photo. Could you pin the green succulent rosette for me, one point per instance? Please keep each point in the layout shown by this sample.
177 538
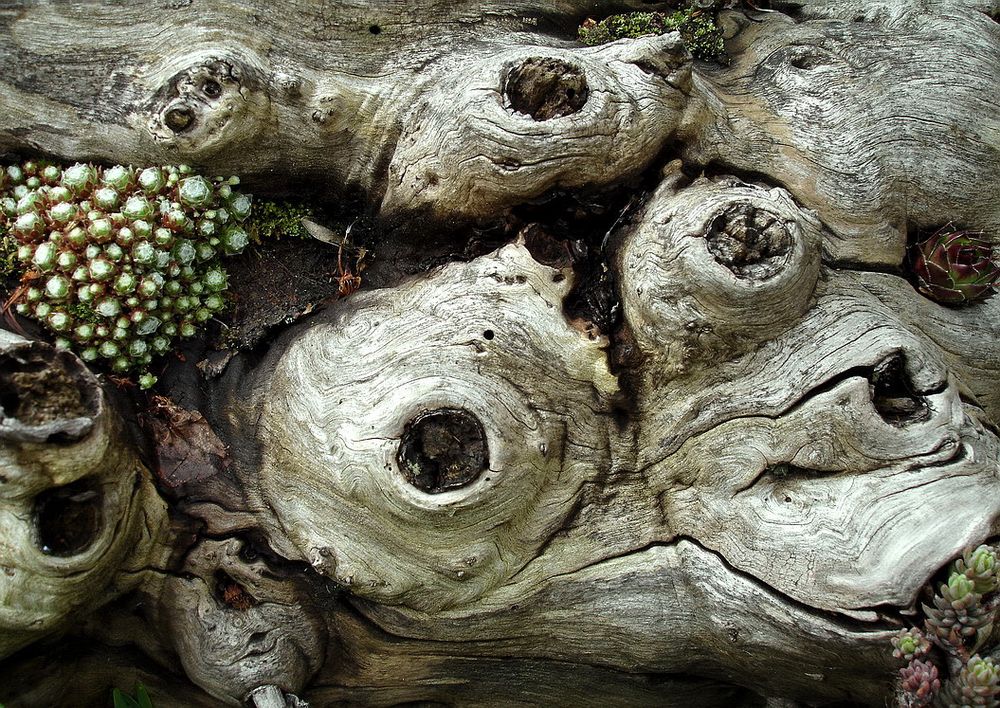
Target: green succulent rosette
120 262
909 644
981 567
958 618
978 684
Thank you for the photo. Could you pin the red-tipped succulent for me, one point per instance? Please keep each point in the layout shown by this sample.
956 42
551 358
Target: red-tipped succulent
919 683
955 267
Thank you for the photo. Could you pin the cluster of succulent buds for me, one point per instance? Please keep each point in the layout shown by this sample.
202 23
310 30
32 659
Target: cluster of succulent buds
977 684
955 267
919 684
981 566
118 262
959 623
910 644
959 617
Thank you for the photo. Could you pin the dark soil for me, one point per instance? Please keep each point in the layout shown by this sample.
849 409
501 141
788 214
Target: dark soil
276 283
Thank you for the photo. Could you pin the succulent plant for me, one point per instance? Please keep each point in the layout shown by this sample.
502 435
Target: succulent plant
958 616
918 684
981 567
955 267
960 622
118 262
978 684
909 644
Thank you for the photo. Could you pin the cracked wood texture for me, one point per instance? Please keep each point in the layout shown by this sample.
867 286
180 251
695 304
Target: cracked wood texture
721 481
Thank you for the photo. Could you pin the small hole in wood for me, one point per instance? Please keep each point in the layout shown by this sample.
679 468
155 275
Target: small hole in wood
893 394
248 554
68 519
807 62
231 593
179 119
442 450
488 334
211 88
375 29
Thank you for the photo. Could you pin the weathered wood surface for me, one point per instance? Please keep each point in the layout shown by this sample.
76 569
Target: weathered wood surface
448 489
79 517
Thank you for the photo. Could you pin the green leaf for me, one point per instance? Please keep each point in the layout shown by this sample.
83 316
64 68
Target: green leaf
142 696
123 700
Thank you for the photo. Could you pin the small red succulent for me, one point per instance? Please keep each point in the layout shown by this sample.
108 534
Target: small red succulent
955 267
919 683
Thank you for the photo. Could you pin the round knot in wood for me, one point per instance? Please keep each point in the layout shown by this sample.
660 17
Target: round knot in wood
754 244
546 88
443 449
213 103
179 118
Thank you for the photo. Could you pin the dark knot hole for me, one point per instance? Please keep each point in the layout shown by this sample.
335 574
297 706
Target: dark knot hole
69 519
179 119
442 450
211 88
546 88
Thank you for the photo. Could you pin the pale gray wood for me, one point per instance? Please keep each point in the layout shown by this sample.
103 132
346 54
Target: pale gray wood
42 592
675 607
237 627
470 337
308 91
733 513
875 145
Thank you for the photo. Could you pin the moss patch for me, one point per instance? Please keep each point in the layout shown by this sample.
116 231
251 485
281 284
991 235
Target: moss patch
698 30
271 221
10 269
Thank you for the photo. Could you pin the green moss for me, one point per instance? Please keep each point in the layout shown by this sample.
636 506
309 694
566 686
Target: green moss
84 313
698 30
276 220
9 267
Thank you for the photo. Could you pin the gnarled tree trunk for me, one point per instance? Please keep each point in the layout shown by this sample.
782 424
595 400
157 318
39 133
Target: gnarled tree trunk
714 462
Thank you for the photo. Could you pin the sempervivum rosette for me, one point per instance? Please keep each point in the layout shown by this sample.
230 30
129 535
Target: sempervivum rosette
119 262
955 267
981 567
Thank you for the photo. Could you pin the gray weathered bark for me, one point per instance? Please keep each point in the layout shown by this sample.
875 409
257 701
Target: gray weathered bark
450 490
